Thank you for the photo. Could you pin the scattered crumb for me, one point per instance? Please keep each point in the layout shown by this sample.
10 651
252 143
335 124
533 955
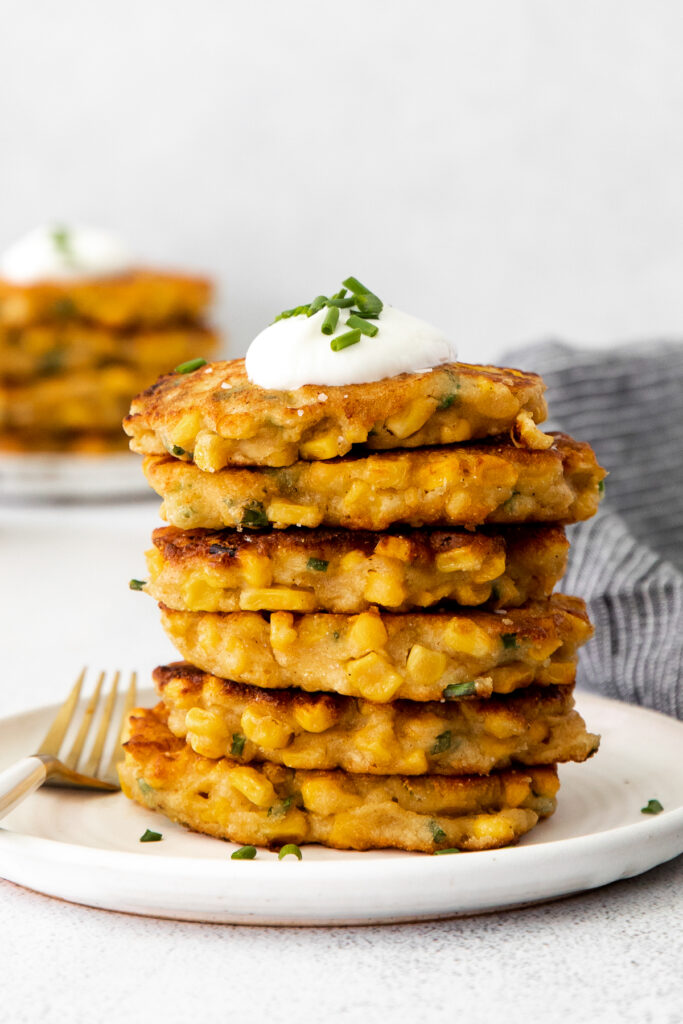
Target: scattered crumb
322 397
508 622
225 386
299 412
209 369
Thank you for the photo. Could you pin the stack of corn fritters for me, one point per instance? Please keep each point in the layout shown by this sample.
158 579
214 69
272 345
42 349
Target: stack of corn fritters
360 579
73 354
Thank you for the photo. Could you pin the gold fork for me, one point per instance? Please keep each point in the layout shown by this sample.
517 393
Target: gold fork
73 771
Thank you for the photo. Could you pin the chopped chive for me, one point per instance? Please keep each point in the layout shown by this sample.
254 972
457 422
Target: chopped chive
150 837
62 241
369 304
190 366
279 810
330 322
652 807
354 285
177 450
441 743
345 340
136 584
460 690
284 315
449 849
363 326
290 849
145 786
446 402
362 315
244 853
317 564
601 487
438 833
342 303
318 302
254 514
339 295
509 640
336 634
238 741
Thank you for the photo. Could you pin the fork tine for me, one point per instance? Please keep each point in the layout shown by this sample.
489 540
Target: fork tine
128 705
57 731
91 766
71 761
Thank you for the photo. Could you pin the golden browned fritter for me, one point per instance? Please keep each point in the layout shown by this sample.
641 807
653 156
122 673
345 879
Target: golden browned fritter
382 657
219 718
457 485
272 805
76 442
45 350
141 297
348 571
216 417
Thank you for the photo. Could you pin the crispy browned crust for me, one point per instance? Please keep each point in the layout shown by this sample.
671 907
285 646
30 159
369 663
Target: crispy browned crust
334 808
372 655
349 571
457 485
326 731
218 418
140 297
47 350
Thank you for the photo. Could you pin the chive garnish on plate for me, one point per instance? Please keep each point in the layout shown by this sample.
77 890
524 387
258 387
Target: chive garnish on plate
652 807
244 853
449 849
363 326
150 837
290 850
345 340
330 322
136 584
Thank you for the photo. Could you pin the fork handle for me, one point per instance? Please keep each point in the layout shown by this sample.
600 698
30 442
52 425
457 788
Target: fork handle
19 781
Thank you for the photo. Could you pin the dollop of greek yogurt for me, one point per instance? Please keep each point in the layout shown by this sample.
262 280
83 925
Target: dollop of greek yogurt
53 252
293 351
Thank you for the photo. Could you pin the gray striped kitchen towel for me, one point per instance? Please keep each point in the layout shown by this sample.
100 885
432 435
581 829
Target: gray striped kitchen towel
627 562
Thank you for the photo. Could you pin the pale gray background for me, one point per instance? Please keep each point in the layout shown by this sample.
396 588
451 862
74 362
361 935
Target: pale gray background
506 169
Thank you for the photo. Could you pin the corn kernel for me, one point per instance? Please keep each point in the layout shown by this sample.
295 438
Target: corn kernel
155 563
462 559
516 791
507 678
559 673
385 586
315 717
264 730
526 434
356 497
374 677
256 569
235 655
465 637
199 595
253 785
207 733
277 599
544 648
211 452
367 633
282 631
414 763
471 593
409 420
285 513
324 797
351 561
493 567
497 401
452 433
502 724
395 547
325 446
425 666
377 742
184 431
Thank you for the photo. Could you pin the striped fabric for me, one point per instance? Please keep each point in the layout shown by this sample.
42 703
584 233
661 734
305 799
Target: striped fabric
628 561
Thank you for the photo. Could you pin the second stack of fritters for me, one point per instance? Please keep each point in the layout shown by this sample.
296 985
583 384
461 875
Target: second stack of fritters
369 660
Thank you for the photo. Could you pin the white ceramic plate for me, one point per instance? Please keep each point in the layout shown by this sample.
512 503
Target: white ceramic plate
86 848
49 477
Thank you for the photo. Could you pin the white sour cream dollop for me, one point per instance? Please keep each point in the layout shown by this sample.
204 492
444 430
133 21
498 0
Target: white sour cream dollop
294 351
54 252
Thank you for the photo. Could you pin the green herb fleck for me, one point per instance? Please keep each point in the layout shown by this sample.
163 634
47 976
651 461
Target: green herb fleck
150 837
652 807
449 849
177 450
279 810
445 403
345 340
362 325
64 308
317 564
509 641
336 634
601 487
52 361
318 302
355 287
136 584
330 322
460 690
145 786
290 849
244 853
61 239
190 366
442 743
238 741
254 514
438 834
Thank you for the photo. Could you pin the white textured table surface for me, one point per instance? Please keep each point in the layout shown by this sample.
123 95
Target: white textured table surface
610 955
